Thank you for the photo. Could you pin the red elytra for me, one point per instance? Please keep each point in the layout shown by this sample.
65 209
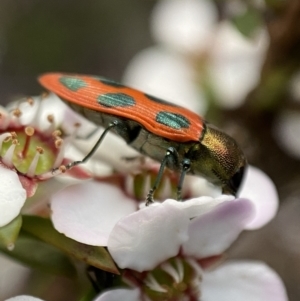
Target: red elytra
144 111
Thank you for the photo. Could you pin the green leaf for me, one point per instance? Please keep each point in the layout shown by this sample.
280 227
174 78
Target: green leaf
248 22
96 256
37 254
10 232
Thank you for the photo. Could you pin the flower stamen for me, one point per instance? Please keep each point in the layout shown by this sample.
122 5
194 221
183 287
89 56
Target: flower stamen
56 133
5 137
29 131
30 101
196 267
44 95
60 145
154 285
17 112
180 268
169 269
8 157
51 129
34 162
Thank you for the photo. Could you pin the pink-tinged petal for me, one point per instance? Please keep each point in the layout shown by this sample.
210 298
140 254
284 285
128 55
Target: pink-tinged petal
260 189
29 185
39 202
199 206
87 212
23 298
120 294
149 236
13 196
212 233
246 281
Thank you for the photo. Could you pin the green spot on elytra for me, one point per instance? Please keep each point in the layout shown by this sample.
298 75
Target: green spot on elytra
112 100
72 83
172 120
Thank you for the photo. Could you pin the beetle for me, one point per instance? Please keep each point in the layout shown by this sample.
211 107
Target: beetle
175 136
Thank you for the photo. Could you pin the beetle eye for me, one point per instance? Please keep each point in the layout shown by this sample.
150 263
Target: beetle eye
236 180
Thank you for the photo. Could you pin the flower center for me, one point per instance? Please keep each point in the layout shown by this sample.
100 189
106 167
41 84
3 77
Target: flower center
26 148
177 279
139 184
26 144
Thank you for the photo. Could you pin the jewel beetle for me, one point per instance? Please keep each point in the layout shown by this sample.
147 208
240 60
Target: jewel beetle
175 136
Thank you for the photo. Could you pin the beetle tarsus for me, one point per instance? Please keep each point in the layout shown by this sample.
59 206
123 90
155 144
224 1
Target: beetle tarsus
149 198
179 196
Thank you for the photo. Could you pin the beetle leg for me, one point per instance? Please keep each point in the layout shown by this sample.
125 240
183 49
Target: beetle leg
185 167
171 154
113 124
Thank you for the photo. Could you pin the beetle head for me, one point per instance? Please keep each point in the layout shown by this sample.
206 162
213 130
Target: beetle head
219 159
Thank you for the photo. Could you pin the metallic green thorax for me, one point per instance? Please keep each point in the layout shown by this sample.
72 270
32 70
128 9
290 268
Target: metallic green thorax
219 159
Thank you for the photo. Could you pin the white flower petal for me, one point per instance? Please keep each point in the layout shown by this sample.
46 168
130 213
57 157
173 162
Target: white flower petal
28 110
260 189
186 26
51 105
79 149
167 75
198 206
212 233
71 118
149 236
23 298
36 113
39 202
13 196
112 151
120 294
201 187
88 212
247 281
